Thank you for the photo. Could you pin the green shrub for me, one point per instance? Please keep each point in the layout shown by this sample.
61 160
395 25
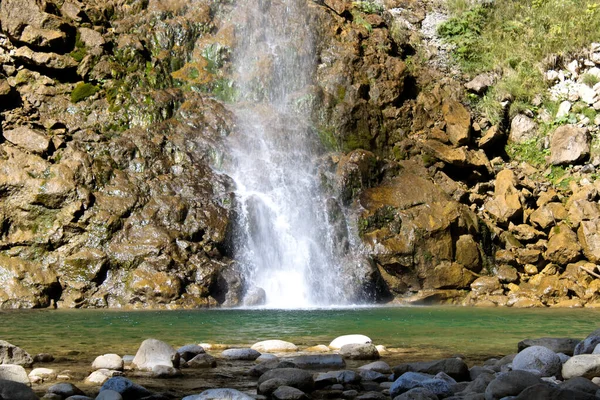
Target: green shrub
515 38
83 91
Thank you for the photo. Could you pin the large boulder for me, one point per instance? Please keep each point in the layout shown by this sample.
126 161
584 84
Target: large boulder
294 377
563 247
506 203
543 391
220 394
510 384
411 380
15 373
589 238
458 122
569 145
538 359
585 365
557 345
340 341
366 351
587 345
522 129
11 354
152 353
10 390
108 361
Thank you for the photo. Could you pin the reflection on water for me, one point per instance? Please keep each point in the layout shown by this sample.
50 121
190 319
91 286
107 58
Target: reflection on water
469 331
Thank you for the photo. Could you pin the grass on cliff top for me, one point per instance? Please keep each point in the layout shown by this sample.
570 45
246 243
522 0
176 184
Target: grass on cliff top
519 39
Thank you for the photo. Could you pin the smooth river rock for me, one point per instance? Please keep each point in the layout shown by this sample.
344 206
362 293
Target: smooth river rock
585 365
359 351
10 390
340 341
587 345
411 380
240 354
11 354
125 388
108 361
190 351
220 394
294 377
274 346
15 373
538 359
378 366
557 345
510 384
154 352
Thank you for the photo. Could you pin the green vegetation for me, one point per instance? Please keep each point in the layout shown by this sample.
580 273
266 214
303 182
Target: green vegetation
590 79
82 91
515 39
80 51
359 20
531 151
368 7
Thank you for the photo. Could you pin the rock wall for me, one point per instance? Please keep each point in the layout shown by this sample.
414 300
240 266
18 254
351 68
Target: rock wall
112 116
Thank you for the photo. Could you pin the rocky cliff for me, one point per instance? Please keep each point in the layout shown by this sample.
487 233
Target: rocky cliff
113 117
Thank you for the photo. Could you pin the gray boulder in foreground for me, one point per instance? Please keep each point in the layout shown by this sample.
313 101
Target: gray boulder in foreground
220 394
10 390
538 359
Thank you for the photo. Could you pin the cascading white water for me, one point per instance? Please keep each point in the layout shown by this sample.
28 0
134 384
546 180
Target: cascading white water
283 238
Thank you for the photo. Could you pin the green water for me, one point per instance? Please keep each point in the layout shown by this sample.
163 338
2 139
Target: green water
472 332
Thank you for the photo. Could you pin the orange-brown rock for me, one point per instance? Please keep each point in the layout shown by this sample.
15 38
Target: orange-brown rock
506 203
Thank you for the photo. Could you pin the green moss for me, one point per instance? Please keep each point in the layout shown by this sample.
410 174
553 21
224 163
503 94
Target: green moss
82 91
328 139
80 51
382 217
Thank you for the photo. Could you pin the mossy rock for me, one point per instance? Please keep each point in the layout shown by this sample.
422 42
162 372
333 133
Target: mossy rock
82 91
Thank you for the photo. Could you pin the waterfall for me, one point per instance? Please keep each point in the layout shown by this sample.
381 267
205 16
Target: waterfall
283 239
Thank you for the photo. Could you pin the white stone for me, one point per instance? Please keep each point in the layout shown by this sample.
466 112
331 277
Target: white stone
98 377
586 365
274 346
551 76
563 109
108 361
522 129
573 68
340 341
15 373
382 349
42 374
154 352
596 349
587 94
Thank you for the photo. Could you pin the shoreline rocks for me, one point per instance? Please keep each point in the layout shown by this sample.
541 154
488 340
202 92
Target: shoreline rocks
535 369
